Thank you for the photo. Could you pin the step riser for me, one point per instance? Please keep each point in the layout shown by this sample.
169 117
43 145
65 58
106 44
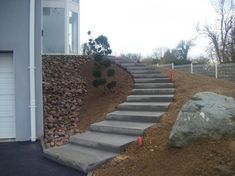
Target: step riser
132 65
152 108
128 118
149 76
99 146
145 72
145 86
152 81
149 99
152 92
139 69
79 166
115 130
123 62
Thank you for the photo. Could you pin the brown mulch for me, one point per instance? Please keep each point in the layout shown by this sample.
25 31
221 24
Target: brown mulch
208 157
97 103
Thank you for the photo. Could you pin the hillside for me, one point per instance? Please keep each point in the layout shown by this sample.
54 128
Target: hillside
71 103
155 158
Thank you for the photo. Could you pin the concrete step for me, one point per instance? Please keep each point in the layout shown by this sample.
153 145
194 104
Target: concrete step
153 85
160 91
135 116
119 127
81 158
123 61
102 141
139 68
150 98
132 65
143 106
144 71
152 80
149 76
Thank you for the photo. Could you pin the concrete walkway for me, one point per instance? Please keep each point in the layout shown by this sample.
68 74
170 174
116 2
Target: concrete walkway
151 96
26 159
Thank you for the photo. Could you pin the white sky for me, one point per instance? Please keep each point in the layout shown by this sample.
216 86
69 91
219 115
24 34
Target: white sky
140 26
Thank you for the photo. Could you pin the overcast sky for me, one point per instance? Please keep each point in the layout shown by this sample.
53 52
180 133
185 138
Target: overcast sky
140 26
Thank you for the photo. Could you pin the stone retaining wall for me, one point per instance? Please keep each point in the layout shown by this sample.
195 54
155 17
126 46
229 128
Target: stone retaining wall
63 93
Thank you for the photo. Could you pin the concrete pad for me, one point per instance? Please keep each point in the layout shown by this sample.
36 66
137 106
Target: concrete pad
80 158
119 127
102 141
135 116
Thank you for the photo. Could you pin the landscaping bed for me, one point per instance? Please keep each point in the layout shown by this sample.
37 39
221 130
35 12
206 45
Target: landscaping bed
155 158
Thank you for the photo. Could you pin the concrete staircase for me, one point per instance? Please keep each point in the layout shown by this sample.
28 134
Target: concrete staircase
152 94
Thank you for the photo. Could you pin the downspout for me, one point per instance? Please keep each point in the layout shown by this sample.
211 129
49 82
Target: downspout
32 70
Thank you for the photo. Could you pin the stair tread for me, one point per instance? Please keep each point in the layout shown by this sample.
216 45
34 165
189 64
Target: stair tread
153 84
121 124
155 89
150 96
148 74
146 103
137 113
78 157
151 78
105 138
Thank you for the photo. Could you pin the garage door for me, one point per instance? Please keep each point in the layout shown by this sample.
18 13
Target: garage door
7 97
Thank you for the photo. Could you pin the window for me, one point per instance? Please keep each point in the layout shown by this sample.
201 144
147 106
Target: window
53 30
77 1
73 32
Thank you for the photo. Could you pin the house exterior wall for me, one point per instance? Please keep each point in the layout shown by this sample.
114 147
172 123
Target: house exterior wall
14 37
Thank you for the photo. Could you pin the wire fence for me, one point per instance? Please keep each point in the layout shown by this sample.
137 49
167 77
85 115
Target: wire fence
221 71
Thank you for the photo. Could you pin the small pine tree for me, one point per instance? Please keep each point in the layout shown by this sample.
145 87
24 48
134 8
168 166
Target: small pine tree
100 48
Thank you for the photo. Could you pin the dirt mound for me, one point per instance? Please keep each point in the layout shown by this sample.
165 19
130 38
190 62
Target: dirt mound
155 158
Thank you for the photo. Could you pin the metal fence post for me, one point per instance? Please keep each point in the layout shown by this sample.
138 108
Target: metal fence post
192 68
172 66
216 70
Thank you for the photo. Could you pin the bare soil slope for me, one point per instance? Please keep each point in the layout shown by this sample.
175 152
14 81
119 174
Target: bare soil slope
97 103
207 157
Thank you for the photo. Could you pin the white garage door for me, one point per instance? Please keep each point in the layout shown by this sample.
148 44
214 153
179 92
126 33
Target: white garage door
7 97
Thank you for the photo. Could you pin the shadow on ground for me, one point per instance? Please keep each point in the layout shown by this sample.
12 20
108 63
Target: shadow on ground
26 159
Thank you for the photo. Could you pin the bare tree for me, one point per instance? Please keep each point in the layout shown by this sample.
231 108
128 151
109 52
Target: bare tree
183 48
158 53
219 33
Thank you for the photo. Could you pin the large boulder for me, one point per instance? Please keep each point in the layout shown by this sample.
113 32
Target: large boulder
207 114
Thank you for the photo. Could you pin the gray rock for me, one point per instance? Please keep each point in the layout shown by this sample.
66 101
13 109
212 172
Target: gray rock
207 114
